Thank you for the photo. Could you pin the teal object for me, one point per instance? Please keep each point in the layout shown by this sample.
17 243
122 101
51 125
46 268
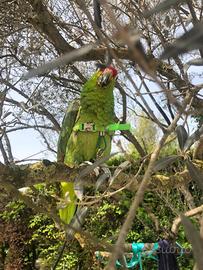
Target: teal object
137 250
181 249
149 255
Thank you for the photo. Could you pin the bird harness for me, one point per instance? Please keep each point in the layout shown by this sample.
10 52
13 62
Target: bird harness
92 127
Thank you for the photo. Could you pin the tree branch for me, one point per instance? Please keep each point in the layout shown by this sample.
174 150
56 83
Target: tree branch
31 174
190 213
43 21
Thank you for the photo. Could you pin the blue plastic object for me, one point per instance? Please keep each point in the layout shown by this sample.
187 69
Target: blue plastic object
137 250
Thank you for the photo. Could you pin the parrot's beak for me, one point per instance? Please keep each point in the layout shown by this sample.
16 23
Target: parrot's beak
105 78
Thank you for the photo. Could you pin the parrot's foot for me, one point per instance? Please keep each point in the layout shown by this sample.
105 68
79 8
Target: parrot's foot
78 184
102 172
87 168
77 222
104 175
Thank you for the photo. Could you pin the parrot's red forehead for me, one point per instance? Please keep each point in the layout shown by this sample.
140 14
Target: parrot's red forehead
112 69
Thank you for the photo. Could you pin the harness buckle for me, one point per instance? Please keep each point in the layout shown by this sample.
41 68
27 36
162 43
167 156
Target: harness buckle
89 126
101 133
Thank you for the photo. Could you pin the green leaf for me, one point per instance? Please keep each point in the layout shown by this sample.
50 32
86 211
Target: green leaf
193 138
163 6
182 136
164 162
195 174
195 239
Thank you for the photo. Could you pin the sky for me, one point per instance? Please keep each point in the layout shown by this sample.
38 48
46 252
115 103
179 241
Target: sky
28 143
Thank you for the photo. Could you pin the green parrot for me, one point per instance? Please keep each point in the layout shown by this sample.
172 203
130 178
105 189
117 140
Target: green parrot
83 136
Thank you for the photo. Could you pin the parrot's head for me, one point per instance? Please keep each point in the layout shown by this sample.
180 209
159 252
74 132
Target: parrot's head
106 76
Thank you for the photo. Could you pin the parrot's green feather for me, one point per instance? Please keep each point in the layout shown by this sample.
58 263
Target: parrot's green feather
67 213
75 147
66 129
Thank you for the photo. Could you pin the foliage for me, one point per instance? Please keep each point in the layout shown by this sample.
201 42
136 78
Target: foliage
104 221
13 211
147 132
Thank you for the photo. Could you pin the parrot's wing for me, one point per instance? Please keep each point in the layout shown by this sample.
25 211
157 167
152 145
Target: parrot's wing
67 127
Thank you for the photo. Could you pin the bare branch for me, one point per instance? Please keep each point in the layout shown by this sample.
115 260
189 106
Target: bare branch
190 213
118 250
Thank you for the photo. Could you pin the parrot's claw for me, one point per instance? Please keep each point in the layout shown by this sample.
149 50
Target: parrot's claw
95 170
79 189
76 222
104 175
79 185
102 172
85 163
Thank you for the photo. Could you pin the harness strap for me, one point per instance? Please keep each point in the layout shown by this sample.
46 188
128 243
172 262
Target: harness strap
117 126
92 127
99 143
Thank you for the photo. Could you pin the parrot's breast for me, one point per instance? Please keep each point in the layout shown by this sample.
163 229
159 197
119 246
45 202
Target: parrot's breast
83 146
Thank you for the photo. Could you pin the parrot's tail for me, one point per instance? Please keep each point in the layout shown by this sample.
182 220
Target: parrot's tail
66 214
